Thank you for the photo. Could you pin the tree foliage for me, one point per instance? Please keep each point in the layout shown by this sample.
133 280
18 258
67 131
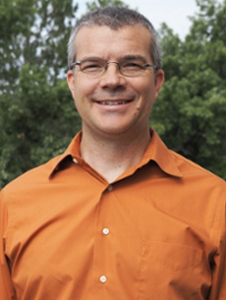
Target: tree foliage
102 3
191 109
37 114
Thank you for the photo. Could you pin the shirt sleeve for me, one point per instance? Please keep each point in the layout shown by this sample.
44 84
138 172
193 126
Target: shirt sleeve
6 287
218 291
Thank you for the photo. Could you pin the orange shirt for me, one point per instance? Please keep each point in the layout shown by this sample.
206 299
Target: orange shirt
156 233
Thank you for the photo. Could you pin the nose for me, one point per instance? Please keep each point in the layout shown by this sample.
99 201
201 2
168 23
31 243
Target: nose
112 78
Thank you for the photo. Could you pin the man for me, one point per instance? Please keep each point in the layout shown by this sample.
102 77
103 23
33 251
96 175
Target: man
118 216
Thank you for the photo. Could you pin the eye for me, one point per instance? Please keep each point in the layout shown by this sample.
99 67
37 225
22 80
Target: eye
91 66
132 65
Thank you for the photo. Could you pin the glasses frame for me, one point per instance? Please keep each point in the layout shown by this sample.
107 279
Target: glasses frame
146 65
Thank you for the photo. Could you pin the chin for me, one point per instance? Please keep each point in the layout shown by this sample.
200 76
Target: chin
112 130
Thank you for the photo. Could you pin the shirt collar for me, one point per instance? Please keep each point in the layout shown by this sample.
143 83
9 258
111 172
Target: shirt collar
72 152
156 151
161 155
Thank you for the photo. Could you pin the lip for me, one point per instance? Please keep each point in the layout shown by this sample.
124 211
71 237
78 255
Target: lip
113 102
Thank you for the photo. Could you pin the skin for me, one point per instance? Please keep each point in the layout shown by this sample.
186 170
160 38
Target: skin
113 129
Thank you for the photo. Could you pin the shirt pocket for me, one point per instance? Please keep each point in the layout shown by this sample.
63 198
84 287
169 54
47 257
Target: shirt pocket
170 271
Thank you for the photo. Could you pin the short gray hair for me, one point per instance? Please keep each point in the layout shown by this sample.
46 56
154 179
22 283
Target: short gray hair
115 17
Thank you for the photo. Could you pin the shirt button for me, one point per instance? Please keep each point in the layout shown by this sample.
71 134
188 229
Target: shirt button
105 231
103 279
75 161
110 188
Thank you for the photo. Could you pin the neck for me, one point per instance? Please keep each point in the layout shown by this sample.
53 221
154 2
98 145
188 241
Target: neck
111 155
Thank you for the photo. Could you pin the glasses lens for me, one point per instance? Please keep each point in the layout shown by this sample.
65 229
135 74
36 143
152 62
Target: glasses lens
93 67
132 67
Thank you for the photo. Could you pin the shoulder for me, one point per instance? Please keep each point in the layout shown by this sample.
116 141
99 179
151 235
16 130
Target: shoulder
196 175
35 177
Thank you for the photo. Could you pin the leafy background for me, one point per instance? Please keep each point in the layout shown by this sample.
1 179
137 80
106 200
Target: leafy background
37 114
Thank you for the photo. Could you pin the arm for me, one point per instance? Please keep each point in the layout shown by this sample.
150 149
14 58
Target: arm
6 288
218 291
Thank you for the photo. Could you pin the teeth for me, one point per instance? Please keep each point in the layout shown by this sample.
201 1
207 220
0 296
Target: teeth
112 102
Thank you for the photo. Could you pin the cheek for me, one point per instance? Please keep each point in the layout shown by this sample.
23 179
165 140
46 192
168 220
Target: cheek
84 87
83 92
147 95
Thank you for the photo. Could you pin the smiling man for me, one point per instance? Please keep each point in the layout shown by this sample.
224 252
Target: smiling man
114 88
118 216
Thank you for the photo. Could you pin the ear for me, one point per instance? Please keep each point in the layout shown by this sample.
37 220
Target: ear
159 80
71 81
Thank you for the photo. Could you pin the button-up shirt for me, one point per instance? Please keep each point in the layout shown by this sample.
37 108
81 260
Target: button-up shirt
156 232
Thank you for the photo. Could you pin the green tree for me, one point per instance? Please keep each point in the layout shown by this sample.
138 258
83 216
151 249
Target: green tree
191 109
101 3
37 114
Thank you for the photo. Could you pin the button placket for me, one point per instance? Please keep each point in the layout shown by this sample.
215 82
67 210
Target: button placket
102 240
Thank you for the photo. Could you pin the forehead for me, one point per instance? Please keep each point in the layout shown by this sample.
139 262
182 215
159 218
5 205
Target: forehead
104 42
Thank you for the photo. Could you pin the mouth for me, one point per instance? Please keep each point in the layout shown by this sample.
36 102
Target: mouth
113 102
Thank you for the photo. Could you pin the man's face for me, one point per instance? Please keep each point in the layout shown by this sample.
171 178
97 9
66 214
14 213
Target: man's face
112 103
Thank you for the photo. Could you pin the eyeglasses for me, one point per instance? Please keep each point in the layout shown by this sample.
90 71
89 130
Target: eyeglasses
127 67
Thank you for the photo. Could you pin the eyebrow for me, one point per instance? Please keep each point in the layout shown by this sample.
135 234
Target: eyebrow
126 57
92 58
134 57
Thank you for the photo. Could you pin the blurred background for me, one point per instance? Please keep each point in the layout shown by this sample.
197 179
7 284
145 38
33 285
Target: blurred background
37 114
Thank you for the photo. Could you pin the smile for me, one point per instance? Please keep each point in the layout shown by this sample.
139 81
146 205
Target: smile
113 102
